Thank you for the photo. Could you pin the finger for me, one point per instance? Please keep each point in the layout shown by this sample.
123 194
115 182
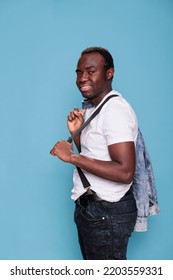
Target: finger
59 142
52 152
82 112
75 112
71 116
76 109
79 113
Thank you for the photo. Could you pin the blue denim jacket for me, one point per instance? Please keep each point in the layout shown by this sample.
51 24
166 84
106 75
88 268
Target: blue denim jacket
144 188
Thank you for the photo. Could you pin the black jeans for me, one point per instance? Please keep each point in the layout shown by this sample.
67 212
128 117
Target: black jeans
105 227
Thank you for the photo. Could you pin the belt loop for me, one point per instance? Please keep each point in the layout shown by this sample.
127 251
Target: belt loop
89 191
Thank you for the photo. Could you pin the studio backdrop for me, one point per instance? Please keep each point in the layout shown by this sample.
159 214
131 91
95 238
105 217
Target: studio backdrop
40 43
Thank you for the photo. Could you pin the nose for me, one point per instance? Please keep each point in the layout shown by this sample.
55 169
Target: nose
84 76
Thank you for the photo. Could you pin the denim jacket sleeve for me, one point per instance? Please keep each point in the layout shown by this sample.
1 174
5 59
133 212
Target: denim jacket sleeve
143 186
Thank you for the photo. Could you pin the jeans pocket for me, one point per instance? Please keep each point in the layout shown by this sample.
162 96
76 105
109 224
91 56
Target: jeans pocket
88 219
124 224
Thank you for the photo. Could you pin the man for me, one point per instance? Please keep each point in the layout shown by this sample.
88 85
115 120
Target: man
107 157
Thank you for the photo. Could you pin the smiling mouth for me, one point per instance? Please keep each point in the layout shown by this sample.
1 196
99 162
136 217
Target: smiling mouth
85 87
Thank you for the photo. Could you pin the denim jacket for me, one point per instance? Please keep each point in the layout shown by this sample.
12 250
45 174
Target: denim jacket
143 186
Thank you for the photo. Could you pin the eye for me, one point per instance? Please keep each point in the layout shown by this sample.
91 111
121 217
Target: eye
91 72
78 73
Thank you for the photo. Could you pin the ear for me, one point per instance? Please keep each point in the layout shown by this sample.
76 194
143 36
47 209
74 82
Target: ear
110 73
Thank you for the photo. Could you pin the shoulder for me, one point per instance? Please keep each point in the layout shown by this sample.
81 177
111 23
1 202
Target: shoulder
117 105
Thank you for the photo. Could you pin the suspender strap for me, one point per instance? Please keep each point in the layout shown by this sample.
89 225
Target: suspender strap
82 176
70 139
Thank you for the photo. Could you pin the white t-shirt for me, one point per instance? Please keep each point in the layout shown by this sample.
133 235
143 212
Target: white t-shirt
115 123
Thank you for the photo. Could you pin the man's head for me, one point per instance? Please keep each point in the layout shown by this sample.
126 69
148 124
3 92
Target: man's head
95 70
109 63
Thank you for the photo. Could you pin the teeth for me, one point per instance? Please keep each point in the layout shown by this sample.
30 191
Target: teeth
85 87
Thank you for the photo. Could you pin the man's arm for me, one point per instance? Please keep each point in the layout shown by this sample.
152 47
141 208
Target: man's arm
120 169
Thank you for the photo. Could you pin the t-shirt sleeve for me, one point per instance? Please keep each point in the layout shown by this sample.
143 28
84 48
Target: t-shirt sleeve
118 124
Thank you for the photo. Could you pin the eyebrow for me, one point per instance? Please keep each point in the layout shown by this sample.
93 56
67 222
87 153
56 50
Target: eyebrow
87 68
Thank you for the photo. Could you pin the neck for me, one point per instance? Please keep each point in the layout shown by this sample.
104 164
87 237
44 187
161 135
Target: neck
96 100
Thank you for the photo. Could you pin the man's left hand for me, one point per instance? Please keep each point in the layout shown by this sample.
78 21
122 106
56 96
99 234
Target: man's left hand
63 150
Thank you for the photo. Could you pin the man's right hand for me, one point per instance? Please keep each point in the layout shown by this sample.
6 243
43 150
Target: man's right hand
75 119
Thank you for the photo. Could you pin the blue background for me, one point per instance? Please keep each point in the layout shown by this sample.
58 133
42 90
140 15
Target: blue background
40 42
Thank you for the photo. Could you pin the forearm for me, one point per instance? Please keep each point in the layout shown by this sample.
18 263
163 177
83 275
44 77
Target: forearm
119 169
110 170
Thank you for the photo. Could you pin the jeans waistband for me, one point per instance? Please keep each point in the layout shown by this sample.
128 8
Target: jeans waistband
92 196
85 198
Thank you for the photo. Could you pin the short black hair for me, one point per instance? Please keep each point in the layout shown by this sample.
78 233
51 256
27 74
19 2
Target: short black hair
104 52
